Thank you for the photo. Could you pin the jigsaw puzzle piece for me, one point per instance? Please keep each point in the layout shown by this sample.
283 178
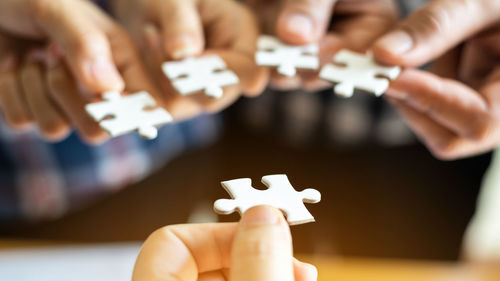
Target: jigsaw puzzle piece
360 72
287 58
280 194
119 115
208 74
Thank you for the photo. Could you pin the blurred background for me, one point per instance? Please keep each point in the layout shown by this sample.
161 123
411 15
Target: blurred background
384 194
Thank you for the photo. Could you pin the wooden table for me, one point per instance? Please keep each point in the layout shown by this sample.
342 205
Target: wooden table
351 269
399 270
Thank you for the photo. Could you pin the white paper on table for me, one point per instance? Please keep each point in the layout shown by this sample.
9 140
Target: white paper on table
70 263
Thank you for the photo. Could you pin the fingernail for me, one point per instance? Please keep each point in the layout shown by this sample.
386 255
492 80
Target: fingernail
103 71
261 215
397 42
184 47
300 25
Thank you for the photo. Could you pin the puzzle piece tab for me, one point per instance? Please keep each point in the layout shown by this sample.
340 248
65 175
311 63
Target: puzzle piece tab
119 115
208 74
280 194
360 72
288 58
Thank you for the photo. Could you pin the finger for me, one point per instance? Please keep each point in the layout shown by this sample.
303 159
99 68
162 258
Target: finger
185 252
180 108
219 275
442 143
64 92
234 29
181 27
304 21
52 124
448 102
84 44
434 29
363 22
262 248
304 271
12 102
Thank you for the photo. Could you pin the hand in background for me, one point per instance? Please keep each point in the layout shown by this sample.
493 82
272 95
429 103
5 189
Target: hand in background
455 110
174 30
88 54
259 247
335 24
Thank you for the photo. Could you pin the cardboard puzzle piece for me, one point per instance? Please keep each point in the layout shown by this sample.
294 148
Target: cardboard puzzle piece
287 58
119 114
360 72
208 74
280 194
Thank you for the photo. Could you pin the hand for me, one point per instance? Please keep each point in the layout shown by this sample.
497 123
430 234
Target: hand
175 30
259 247
356 25
88 54
455 110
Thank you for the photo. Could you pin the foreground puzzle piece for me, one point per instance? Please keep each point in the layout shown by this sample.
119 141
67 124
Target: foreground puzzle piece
280 194
288 58
119 115
208 74
360 71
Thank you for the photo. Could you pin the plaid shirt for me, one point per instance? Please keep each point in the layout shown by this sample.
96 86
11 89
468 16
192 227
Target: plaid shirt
44 180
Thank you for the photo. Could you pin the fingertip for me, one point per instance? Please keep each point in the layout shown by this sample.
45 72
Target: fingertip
56 131
392 48
305 271
295 28
102 75
182 46
261 215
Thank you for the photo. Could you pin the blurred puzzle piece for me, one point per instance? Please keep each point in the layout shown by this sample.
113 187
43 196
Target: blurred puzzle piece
208 74
359 72
119 114
287 58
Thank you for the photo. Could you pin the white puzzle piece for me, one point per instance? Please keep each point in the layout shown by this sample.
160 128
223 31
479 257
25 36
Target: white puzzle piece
287 58
208 74
119 115
280 194
360 72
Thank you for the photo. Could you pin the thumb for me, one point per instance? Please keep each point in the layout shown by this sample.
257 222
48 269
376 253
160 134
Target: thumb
262 247
434 29
85 45
304 21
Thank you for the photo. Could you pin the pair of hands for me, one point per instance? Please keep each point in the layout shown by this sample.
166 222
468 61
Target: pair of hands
90 53
453 109
259 247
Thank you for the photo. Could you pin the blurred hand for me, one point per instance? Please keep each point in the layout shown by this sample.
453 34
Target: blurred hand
259 247
174 30
88 54
335 24
456 109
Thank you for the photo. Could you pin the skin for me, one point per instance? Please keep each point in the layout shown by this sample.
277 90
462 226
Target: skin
87 54
174 30
455 110
259 247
